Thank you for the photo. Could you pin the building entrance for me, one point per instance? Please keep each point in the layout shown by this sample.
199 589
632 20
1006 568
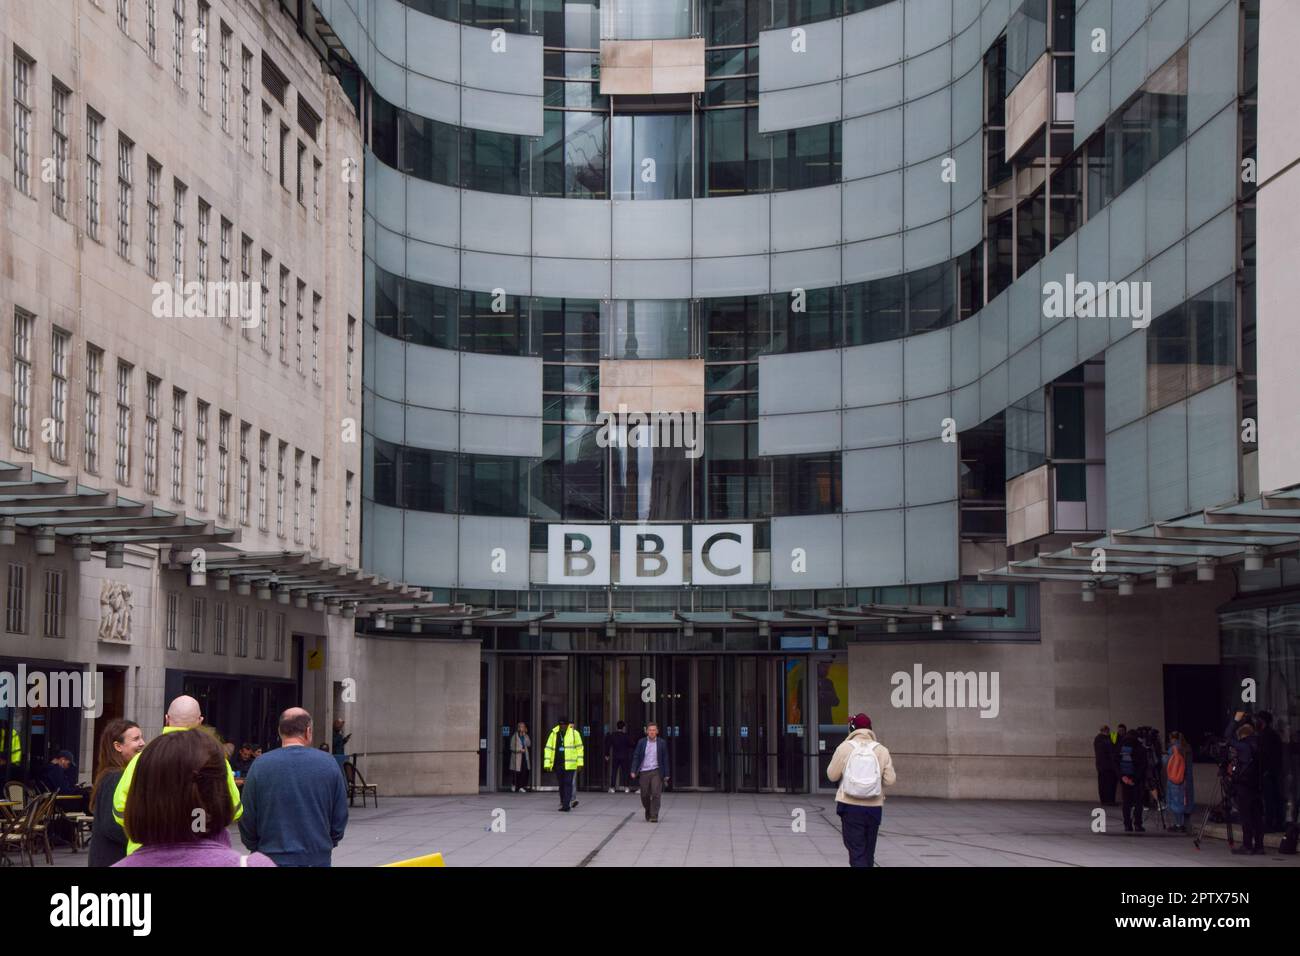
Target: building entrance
733 722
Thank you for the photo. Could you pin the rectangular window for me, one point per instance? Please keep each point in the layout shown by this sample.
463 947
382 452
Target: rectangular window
122 455
246 276
280 629
151 28
297 497
94 171
60 345
279 489
263 476
153 203
224 255
178 445
201 456
315 188
53 626
259 648
284 316
125 180
23 323
151 400
94 384
178 230
315 339
223 465
264 305
22 141
124 16
16 599
178 42
61 98
173 611
352 348
241 631
347 516
227 41
245 96
266 138
219 628
312 502
302 294
244 477
201 42
198 607
351 201
302 175
205 219
284 156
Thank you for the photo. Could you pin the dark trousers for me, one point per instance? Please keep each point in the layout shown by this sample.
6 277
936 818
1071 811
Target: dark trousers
1133 795
1106 782
1274 815
521 779
652 788
614 765
565 778
859 827
1250 805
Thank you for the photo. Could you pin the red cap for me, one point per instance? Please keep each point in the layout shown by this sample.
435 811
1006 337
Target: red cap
861 722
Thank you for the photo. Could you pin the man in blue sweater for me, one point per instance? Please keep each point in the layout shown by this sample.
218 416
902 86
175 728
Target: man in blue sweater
295 800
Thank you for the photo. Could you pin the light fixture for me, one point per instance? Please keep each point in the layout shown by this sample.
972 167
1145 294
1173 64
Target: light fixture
197 578
688 629
764 629
381 620
891 625
1164 577
318 604
115 555
45 540
610 629
221 580
263 591
332 607
833 629
174 559
1126 585
81 547
467 628
1089 592
243 587
936 622
8 531
282 595
1205 569
1254 558
349 611
534 629
416 626
300 600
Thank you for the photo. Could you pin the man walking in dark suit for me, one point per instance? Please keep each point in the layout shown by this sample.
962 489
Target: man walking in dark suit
650 764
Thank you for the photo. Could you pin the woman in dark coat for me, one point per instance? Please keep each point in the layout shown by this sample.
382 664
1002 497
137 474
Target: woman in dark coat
120 741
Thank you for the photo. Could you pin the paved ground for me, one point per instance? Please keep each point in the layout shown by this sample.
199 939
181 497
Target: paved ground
707 829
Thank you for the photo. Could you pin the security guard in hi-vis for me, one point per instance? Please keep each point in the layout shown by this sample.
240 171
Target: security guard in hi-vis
563 752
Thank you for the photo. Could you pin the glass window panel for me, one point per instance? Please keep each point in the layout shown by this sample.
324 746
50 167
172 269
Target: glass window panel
646 329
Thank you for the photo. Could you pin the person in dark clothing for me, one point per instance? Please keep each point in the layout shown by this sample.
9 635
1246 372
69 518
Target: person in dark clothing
120 741
340 740
1131 768
1270 770
1246 791
242 763
61 774
618 754
1104 754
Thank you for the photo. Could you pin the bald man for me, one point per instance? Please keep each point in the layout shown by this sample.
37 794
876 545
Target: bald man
183 714
295 799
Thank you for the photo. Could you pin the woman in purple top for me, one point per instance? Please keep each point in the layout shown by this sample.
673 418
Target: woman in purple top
179 806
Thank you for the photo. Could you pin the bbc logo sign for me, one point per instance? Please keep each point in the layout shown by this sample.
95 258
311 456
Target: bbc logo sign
650 554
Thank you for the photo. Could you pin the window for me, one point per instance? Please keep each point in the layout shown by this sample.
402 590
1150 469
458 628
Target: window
151 400
201 43
259 648
315 339
352 347
284 316
347 516
241 631
223 465
22 122
351 202
224 255
201 456
53 626
178 42
263 470
197 608
173 611
245 276
315 188
245 96
273 79
297 496
153 203
124 16
60 98
122 457
219 628
280 625
205 218
125 161
178 230
284 156
264 304
302 294
227 40
16 599
178 445
94 171
302 175
244 476
279 489
59 346
151 28
311 506
22 380
94 374
266 138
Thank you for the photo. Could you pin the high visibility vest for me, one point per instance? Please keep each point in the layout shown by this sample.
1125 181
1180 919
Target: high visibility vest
124 787
15 748
572 749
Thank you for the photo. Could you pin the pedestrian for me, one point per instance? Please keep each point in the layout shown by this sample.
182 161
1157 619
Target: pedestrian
521 766
295 799
340 740
1271 772
1246 783
120 741
1103 750
182 714
563 751
180 806
618 754
863 768
1120 733
243 761
650 763
1131 767
1179 790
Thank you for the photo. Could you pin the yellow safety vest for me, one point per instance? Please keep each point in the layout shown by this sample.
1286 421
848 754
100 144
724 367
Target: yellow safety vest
15 748
572 749
124 787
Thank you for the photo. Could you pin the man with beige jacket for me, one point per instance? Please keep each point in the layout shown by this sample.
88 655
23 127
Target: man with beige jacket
863 768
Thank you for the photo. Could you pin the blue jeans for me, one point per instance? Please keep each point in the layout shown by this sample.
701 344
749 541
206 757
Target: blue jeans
860 825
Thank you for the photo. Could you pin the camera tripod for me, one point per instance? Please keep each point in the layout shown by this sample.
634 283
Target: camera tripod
1223 800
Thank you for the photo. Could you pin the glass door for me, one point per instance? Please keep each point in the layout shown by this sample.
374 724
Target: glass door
516 696
552 704
752 770
791 675
832 715
711 729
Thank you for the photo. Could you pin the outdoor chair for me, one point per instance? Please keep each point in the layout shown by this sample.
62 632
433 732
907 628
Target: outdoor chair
357 784
32 830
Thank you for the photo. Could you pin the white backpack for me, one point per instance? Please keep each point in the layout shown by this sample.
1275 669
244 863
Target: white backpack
862 772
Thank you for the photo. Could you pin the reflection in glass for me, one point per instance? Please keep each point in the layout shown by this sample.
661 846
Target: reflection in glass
646 329
652 156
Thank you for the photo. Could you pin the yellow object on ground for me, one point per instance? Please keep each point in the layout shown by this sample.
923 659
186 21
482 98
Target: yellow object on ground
432 859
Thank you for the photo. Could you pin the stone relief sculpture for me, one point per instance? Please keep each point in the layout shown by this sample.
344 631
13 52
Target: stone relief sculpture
114 612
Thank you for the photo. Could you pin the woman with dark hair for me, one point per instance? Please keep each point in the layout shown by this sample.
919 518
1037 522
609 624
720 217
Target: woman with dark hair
178 804
120 741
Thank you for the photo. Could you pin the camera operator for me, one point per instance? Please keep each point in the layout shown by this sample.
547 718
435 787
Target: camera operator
1246 782
1270 772
1131 766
